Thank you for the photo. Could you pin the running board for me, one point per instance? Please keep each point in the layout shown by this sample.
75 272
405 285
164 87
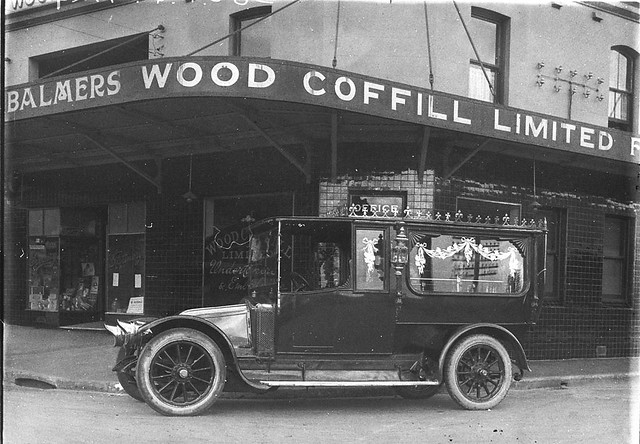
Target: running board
348 383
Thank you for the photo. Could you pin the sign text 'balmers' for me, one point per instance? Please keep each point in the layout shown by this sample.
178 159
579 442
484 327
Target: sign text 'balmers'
300 83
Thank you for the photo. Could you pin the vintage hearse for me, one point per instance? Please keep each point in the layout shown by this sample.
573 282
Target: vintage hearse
409 302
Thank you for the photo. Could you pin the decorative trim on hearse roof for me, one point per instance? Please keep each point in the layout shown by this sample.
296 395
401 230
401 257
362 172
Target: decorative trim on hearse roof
393 212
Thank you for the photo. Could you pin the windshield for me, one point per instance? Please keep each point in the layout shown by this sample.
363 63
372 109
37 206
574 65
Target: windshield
457 264
263 263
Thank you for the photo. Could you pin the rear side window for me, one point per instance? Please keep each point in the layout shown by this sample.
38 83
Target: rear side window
465 264
369 260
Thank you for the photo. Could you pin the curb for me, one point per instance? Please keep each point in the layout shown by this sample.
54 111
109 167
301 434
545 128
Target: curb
25 378
30 379
568 380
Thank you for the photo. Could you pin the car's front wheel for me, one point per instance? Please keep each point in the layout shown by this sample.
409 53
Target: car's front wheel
127 379
478 372
181 372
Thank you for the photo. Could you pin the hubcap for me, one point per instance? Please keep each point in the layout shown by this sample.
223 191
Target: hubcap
480 373
182 373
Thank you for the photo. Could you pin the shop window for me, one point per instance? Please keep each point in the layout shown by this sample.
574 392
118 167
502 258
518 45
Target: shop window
556 234
377 203
465 264
105 53
66 267
227 236
489 32
44 260
621 99
616 258
369 260
471 207
254 41
126 258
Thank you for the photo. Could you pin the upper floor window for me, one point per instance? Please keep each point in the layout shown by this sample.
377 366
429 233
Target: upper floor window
86 57
254 41
489 32
621 69
616 259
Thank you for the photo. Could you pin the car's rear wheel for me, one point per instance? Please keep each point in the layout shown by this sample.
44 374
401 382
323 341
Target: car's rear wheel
181 372
478 372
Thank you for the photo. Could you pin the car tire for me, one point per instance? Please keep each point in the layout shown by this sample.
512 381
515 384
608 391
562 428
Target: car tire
478 372
126 380
181 372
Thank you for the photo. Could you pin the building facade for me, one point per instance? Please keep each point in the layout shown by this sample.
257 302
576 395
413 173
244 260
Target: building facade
142 138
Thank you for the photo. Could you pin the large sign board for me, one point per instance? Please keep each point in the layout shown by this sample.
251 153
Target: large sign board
314 85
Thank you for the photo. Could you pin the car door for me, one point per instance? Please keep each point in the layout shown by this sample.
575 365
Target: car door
334 290
367 310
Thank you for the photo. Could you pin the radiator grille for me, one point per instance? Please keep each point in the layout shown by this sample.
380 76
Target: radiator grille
264 330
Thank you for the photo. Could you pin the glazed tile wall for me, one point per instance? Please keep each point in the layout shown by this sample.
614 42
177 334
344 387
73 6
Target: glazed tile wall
580 324
334 195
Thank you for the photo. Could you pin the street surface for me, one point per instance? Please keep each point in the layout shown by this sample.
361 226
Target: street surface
597 412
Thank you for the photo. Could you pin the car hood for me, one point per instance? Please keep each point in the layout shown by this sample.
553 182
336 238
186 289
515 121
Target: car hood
233 320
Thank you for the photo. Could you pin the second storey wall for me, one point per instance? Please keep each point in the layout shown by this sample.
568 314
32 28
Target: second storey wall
380 39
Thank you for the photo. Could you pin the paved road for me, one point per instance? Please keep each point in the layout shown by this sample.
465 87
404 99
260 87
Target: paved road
593 413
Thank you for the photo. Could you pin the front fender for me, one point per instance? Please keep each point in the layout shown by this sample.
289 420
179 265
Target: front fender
494 330
156 327
152 329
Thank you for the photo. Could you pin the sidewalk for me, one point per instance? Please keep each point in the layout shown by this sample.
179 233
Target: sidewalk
83 359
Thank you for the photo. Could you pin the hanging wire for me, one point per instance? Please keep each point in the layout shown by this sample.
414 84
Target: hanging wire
335 47
93 56
426 21
484 70
534 177
190 169
243 28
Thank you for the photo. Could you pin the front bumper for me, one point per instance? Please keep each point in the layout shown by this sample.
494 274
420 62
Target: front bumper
127 334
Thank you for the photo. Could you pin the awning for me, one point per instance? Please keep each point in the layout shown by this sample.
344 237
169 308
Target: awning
155 109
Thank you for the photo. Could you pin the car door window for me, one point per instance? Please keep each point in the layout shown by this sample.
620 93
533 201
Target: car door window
314 256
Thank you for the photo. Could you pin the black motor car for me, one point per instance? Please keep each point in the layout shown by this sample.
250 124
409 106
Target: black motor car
410 303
